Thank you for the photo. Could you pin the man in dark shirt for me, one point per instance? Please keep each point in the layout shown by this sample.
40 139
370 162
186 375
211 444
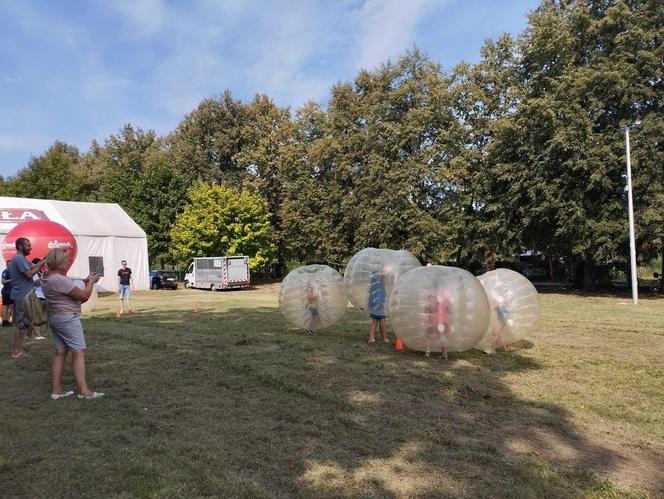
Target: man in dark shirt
125 282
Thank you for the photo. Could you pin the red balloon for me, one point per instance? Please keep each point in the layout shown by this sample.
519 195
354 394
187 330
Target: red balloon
44 236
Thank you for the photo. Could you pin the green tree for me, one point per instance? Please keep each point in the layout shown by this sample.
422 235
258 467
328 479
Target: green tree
89 172
139 177
316 224
221 220
49 176
267 153
204 145
380 159
484 96
588 71
647 142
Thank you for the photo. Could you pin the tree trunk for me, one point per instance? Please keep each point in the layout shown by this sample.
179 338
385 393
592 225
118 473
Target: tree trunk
588 282
489 263
550 261
661 274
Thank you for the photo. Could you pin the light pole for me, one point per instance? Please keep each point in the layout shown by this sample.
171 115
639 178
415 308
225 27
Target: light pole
630 213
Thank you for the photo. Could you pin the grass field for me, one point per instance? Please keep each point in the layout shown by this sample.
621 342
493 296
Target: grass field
233 402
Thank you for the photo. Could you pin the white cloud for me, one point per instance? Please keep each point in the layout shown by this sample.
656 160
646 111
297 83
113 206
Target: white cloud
33 22
183 80
292 40
99 85
9 142
248 47
14 142
146 15
387 28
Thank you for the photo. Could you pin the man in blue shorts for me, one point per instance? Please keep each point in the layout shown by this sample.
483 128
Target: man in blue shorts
21 273
125 282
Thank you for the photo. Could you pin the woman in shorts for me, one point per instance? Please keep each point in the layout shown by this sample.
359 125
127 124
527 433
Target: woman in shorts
63 301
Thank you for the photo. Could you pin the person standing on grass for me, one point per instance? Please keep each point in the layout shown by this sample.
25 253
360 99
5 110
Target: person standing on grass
125 283
21 274
63 301
7 303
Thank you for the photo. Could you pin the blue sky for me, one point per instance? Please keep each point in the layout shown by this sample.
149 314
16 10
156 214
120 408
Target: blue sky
77 70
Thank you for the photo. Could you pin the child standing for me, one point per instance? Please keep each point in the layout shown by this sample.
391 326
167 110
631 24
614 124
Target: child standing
377 305
438 314
312 307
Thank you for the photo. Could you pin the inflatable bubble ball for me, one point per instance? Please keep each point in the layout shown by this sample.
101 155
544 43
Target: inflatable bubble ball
371 274
439 309
514 306
312 297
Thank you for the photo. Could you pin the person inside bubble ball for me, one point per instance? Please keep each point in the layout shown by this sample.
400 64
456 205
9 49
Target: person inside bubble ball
377 305
438 318
313 307
499 304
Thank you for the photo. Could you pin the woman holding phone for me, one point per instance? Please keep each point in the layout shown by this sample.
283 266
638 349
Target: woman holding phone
63 301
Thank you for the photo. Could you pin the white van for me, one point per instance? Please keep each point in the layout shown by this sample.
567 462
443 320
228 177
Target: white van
218 272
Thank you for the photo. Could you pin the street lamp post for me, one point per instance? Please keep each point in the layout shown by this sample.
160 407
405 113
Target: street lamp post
630 212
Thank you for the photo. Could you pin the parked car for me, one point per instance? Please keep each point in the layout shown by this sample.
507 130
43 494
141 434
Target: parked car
534 273
163 279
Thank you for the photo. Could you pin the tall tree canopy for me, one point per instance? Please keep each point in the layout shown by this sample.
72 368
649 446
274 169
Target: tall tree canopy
586 76
53 175
204 145
137 175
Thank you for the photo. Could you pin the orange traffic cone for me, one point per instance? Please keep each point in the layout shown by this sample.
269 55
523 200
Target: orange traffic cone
398 345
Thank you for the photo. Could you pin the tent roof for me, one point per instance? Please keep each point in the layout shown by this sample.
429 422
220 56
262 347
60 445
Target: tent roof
82 219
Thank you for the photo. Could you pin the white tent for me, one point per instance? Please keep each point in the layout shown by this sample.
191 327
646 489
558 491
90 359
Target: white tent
101 229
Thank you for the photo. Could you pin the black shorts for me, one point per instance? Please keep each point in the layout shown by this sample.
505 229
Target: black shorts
6 300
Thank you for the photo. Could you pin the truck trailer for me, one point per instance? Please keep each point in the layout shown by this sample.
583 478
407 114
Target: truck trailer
218 272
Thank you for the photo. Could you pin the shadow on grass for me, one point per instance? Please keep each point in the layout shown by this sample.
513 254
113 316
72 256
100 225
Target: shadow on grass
237 403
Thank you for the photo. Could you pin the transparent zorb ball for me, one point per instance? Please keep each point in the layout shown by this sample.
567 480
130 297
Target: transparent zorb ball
312 297
514 305
371 275
436 306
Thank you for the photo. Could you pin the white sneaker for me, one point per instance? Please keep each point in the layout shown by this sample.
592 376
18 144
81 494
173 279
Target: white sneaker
95 395
58 396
